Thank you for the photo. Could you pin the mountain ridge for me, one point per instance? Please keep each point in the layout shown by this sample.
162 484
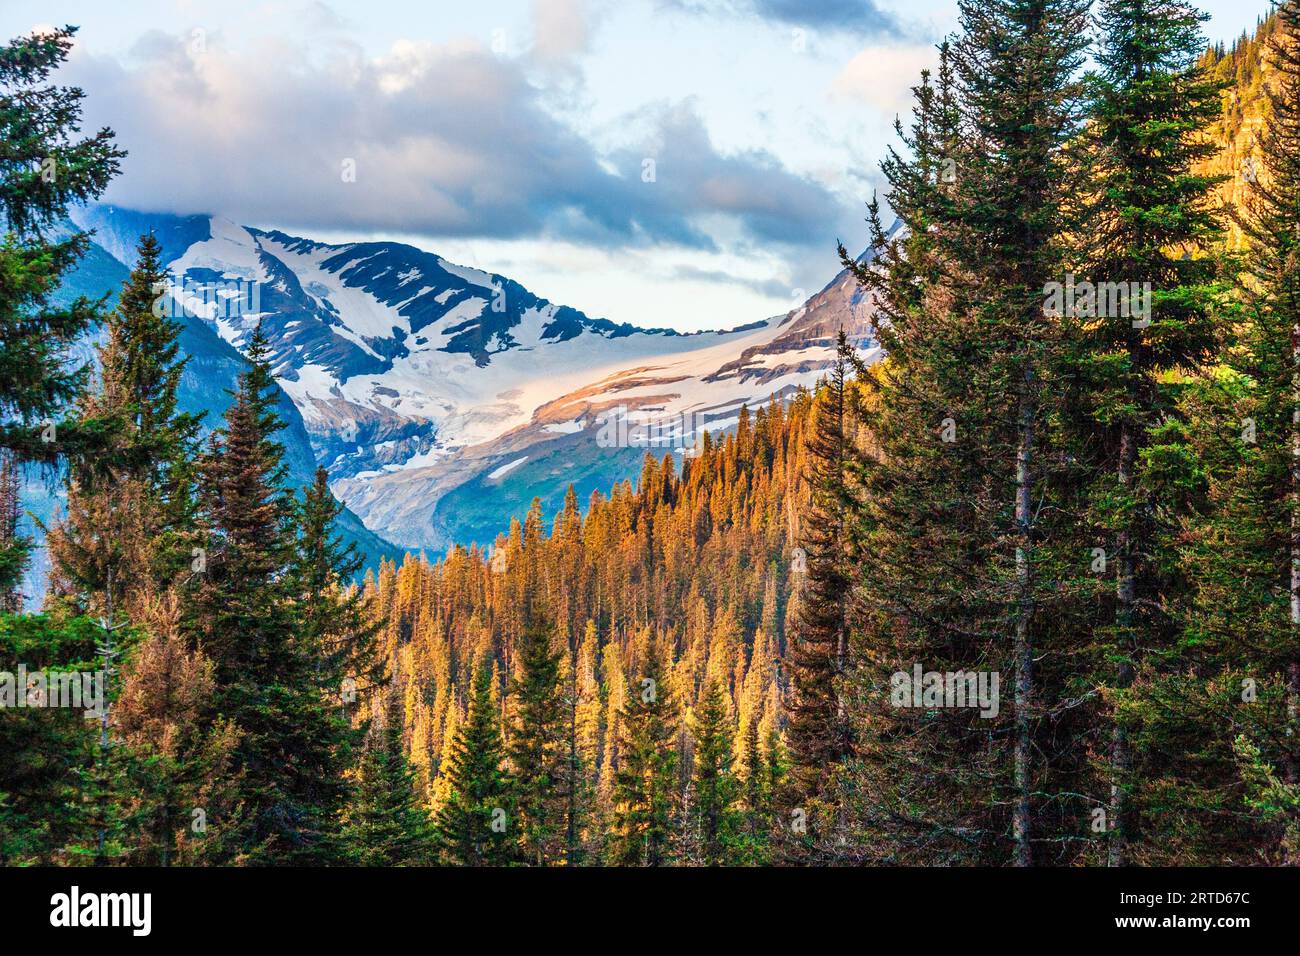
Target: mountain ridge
212 366
419 380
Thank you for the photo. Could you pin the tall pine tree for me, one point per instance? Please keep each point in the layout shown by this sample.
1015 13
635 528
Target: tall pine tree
819 732
474 827
537 748
645 795
963 516
292 749
384 824
714 787
47 167
1149 225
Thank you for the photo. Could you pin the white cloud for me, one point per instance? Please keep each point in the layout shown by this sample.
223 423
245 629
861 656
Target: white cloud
883 77
561 29
444 139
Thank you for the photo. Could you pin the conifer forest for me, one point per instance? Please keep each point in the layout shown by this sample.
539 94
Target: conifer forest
1000 569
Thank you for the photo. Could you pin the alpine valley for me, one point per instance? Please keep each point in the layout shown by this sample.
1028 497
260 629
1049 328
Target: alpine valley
443 399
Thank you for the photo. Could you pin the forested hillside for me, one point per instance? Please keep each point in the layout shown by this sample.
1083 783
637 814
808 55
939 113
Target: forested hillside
789 574
1247 73
1024 593
697 562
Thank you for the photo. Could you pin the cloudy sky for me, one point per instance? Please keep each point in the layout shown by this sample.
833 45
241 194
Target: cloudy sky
684 163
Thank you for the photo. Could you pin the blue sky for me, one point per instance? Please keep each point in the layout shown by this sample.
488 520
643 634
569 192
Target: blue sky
684 163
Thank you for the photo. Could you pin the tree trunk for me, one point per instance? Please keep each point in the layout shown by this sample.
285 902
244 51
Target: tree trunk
1121 758
571 842
107 651
1024 651
1291 762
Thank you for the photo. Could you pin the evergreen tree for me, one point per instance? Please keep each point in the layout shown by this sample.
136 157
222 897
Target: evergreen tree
384 824
1016 64
752 776
124 547
473 825
131 512
537 747
334 621
819 729
1230 720
1273 229
292 747
1148 225
46 168
645 794
775 763
48 751
142 362
965 547
177 751
714 787
582 700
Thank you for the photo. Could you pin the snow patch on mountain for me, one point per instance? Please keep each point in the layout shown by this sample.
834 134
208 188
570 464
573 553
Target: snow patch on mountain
506 468
415 375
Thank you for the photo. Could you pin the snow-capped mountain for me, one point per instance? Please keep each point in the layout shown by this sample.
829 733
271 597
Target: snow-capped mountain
443 398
